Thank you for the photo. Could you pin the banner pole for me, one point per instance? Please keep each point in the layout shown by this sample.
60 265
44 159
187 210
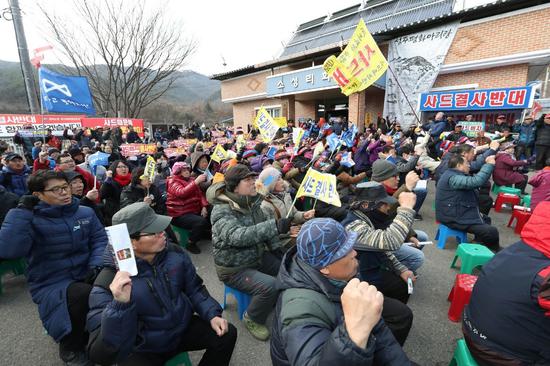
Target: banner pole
314 203
293 203
405 95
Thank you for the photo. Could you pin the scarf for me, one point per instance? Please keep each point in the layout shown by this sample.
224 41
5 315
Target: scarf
379 219
123 180
390 190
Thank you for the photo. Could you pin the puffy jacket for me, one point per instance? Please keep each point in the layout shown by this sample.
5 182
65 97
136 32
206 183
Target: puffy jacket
15 182
110 194
184 196
165 294
527 133
541 187
505 173
9 200
61 244
241 231
133 193
308 327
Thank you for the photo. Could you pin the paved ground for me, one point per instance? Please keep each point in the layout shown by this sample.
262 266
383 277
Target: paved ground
431 341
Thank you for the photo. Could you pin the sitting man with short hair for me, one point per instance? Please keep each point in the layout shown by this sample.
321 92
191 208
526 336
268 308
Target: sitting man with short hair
149 318
325 316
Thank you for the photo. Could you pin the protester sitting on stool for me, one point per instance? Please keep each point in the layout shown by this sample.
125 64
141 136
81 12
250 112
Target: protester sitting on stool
324 315
246 244
507 321
149 318
457 200
63 243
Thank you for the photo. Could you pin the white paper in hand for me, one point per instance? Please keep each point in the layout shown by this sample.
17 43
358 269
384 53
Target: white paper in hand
421 184
122 247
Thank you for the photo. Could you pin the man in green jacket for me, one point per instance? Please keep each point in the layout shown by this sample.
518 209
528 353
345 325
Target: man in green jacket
246 247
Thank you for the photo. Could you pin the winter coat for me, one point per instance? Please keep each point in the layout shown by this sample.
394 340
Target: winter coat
110 194
132 193
165 294
241 231
61 244
184 196
527 134
87 177
8 201
278 205
505 173
13 181
541 187
308 327
37 165
132 137
361 158
542 133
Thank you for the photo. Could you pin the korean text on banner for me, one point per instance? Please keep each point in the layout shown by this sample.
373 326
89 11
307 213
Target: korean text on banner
150 170
219 154
359 65
471 128
320 186
266 124
137 149
65 94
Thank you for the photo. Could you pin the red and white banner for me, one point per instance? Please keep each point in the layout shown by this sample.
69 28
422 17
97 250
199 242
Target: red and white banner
137 149
11 123
123 123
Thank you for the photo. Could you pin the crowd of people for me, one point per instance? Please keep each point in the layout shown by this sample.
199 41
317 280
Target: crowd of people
337 278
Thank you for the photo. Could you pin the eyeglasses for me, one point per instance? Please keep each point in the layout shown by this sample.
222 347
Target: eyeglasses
59 189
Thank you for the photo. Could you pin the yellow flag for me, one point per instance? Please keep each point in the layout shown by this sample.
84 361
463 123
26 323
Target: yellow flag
266 124
240 141
149 171
321 186
359 65
319 148
280 121
219 154
297 134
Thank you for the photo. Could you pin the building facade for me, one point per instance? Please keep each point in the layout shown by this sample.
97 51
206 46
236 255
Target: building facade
502 44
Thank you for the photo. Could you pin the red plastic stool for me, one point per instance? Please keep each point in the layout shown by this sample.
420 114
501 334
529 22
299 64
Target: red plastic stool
503 198
460 295
522 217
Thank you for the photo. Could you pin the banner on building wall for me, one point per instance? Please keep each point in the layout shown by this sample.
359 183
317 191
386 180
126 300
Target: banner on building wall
123 123
416 60
359 65
37 124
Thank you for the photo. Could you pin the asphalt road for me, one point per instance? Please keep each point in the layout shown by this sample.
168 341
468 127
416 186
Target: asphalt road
431 341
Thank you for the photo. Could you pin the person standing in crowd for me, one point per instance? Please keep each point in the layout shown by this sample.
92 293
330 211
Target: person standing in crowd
324 315
500 124
63 243
41 162
14 174
132 136
147 319
541 186
456 134
36 149
526 139
245 244
187 204
118 177
542 141
457 200
505 173
507 321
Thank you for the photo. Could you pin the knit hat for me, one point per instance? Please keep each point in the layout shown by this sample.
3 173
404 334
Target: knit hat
179 166
382 170
267 179
323 241
235 174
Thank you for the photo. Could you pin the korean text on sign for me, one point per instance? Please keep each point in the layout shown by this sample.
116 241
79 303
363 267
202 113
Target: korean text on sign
320 186
482 99
267 125
359 65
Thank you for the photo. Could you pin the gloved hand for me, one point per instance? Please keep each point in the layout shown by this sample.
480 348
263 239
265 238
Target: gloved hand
283 225
28 201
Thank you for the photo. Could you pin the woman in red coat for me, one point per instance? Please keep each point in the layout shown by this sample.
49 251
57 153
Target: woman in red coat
505 173
187 204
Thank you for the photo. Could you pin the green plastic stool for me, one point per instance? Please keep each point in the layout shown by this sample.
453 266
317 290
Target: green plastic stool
182 234
526 200
181 359
16 266
308 203
462 355
506 189
471 256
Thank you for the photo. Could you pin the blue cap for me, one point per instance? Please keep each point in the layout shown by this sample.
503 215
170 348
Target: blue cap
323 241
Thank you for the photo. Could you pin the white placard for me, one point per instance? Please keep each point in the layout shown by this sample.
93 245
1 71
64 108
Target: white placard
122 248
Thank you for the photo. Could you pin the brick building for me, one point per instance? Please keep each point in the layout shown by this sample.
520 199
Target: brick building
500 44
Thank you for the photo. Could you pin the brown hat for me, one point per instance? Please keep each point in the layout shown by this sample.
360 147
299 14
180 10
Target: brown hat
235 174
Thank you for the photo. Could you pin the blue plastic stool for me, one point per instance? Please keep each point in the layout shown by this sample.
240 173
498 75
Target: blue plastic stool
243 300
444 232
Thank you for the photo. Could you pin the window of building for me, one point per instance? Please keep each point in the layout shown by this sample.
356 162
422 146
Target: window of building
273 110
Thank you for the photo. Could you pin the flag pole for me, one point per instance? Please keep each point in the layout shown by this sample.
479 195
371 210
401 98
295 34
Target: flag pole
405 95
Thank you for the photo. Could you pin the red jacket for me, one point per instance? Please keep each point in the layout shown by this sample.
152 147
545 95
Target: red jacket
37 165
504 173
184 196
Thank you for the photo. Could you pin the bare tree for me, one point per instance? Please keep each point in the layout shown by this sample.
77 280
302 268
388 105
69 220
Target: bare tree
129 52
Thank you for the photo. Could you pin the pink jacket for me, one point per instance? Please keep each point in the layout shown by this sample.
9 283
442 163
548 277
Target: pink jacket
505 173
541 187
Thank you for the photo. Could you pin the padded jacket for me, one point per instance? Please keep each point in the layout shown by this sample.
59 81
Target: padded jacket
184 196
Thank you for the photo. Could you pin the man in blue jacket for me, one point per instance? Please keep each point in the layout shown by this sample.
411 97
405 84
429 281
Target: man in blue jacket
324 315
63 244
149 318
14 174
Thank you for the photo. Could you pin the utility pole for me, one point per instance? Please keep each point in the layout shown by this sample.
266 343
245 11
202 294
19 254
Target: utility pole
26 68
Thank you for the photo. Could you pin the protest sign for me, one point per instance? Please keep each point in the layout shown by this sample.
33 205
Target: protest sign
267 126
149 171
319 148
219 154
137 149
122 247
37 124
471 128
99 158
359 65
175 151
320 186
297 135
271 152
123 123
